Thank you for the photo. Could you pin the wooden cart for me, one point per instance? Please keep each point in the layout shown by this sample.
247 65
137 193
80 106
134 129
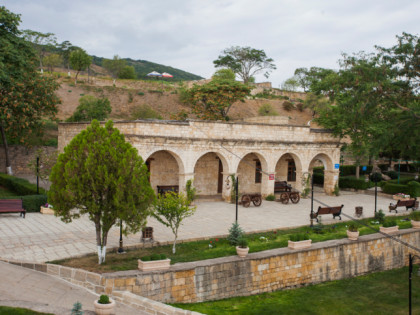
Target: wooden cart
293 196
255 198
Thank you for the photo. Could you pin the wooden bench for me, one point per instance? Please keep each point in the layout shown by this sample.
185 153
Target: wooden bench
335 211
12 205
411 203
164 189
281 186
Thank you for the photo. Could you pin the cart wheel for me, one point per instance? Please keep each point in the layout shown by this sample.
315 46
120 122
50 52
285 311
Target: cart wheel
246 201
294 197
284 198
257 201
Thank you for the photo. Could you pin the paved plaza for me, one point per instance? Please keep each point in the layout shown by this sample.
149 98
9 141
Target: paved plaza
40 237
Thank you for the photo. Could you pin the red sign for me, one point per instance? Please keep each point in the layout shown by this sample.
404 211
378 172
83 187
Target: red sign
271 176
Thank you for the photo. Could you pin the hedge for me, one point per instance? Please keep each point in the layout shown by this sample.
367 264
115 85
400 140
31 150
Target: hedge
351 182
414 189
393 189
318 178
403 180
31 203
19 186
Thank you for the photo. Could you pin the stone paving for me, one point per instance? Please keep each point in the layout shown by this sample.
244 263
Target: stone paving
41 238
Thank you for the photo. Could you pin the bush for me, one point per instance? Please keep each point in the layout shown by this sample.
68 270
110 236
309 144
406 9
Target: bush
145 112
235 233
389 223
415 215
288 106
270 197
300 107
103 299
155 257
392 174
379 216
267 110
351 182
353 227
318 178
33 203
299 237
140 93
376 177
242 242
346 170
19 186
414 189
91 108
393 189
146 258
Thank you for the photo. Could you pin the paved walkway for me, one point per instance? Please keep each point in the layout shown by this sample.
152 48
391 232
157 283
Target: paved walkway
22 287
41 238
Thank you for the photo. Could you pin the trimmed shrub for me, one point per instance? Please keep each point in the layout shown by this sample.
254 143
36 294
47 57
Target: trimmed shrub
346 170
270 197
389 223
103 299
415 215
242 242
31 203
299 237
414 189
155 257
393 189
319 169
19 186
392 174
146 258
353 227
351 182
318 178
235 233
380 216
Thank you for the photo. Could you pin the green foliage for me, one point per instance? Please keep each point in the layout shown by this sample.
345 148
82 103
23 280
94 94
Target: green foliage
393 189
392 174
224 74
153 257
140 93
233 189
380 216
245 62
104 299
267 110
375 177
336 190
213 100
103 176
291 84
79 61
114 66
270 197
171 209
235 234
91 108
414 189
353 226
346 170
243 242
191 190
46 163
306 184
288 106
299 237
19 185
77 309
319 178
144 112
415 215
33 203
127 72
352 182
389 223
53 60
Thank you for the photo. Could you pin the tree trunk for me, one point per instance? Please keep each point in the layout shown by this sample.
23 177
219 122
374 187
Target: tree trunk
6 151
173 246
357 171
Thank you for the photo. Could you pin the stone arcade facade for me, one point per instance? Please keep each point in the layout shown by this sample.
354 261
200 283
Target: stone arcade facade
209 152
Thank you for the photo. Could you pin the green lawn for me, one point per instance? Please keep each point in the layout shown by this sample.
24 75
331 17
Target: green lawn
200 250
379 293
5 310
6 193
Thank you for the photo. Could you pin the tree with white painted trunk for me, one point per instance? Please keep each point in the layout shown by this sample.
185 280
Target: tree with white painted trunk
102 176
171 209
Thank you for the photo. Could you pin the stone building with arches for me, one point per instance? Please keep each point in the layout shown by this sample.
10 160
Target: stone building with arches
258 152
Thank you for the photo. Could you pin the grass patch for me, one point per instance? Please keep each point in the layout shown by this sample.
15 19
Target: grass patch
6 310
378 293
200 250
4 192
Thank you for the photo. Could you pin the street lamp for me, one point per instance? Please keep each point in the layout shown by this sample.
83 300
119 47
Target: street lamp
120 248
410 271
236 192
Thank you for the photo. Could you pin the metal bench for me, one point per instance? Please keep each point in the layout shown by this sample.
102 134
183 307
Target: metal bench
11 206
335 211
410 203
164 189
281 186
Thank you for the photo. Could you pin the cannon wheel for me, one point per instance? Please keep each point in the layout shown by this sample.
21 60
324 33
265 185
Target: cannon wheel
284 198
257 201
294 197
246 201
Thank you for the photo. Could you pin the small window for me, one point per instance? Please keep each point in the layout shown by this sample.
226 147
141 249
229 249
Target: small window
258 172
291 171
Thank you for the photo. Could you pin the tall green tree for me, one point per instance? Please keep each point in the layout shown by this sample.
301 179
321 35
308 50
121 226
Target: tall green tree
79 61
91 108
102 176
25 95
246 62
213 100
114 66
65 49
52 60
127 72
41 42
224 74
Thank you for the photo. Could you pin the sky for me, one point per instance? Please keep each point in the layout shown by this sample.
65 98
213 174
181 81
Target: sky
190 34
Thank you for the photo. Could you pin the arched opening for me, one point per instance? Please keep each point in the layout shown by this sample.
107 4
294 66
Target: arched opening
322 168
289 169
164 168
251 170
208 174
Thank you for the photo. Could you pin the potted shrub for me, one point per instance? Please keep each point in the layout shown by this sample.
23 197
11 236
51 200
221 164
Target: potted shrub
299 241
415 219
105 305
242 249
47 209
352 231
389 226
154 262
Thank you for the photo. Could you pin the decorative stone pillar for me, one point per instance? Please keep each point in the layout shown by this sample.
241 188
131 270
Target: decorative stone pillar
267 184
183 178
330 179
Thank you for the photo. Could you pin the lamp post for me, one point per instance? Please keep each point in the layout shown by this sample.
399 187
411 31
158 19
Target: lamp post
120 248
410 272
312 200
236 193
37 175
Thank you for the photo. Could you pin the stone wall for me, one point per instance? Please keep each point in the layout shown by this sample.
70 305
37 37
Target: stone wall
20 156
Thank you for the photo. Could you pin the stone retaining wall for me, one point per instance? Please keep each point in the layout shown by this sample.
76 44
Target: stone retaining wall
260 272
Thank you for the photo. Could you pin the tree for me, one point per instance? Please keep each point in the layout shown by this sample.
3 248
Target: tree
114 66
290 84
213 100
91 108
171 209
127 72
102 176
25 95
79 61
52 60
224 74
245 62
65 49
42 43
46 163
267 110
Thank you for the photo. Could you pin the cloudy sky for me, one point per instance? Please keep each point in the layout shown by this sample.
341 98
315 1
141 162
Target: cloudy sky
190 34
